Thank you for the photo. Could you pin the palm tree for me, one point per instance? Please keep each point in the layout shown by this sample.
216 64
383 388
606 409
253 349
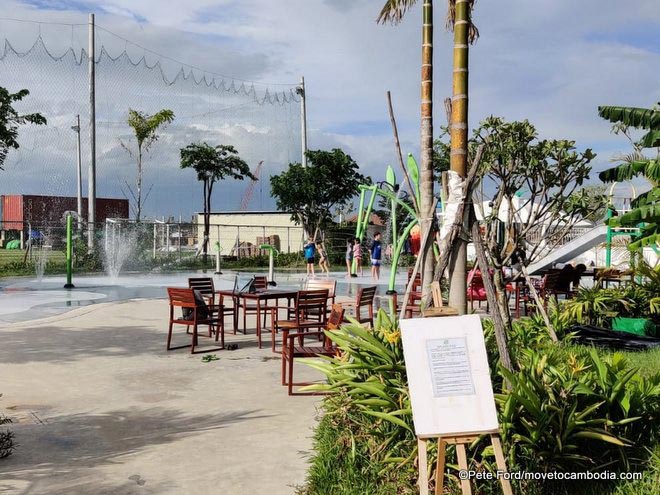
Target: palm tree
144 127
393 12
459 20
646 207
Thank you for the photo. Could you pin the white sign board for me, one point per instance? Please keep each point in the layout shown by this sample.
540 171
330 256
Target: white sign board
448 376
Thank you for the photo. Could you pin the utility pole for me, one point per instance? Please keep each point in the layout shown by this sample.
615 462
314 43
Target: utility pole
303 119
76 128
91 193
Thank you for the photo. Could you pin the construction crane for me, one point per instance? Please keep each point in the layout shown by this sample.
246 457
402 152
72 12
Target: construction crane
247 197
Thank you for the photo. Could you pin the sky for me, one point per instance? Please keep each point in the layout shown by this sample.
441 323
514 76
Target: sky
552 62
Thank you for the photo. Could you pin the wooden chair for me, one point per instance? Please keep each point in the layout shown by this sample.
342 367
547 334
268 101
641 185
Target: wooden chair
364 300
290 350
185 298
260 283
476 290
320 284
307 301
206 287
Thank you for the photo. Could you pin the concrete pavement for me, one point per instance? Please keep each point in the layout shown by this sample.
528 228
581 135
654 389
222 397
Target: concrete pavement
100 407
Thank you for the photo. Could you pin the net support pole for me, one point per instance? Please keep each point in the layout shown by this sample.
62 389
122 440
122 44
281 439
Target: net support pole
91 181
303 120
78 175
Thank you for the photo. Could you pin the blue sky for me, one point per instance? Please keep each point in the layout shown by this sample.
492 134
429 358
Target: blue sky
550 61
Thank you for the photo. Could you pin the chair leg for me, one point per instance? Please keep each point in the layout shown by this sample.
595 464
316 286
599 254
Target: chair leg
169 336
194 339
244 321
290 389
283 367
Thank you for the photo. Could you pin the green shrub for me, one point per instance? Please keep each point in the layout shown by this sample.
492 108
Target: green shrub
568 408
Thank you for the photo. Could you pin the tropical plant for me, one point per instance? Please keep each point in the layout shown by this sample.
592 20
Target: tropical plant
145 129
311 193
573 411
536 199
393 12
10 120
213 163
645 211
459 20
597 306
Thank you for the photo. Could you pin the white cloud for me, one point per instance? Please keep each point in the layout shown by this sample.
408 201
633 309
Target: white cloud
550 61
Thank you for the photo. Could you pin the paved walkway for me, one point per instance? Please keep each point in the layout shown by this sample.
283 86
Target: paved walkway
101 408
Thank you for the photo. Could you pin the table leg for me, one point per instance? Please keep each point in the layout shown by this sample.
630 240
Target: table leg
259 321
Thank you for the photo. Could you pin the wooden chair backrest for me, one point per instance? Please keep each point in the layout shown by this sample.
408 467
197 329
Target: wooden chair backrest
366 296
436 292
551 280
316 284
312 301
335 318
417 284
204 285
181 297
260 282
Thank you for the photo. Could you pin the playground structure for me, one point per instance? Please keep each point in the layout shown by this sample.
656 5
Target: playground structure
392 192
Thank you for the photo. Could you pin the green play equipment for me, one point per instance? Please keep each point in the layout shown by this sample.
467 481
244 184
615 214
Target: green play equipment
15 244
69 252
272 252
389 190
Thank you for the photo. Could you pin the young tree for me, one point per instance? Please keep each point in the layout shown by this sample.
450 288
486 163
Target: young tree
10 120
537 196
459 21
646 207
144 127
213 163
393 11
310 193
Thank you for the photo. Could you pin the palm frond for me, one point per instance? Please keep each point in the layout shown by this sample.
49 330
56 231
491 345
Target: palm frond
626 171
641 118
473 32
394 10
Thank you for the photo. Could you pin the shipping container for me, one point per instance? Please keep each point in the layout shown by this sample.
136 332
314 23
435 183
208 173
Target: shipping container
18 210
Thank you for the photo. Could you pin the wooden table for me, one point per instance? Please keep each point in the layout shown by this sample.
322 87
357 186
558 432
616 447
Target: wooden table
260 297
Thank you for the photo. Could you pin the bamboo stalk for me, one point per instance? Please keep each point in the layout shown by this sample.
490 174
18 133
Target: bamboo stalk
399 154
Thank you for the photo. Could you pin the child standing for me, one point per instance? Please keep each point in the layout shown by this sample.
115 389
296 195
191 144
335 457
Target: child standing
349 256
323 260
357 255
376 253
310 249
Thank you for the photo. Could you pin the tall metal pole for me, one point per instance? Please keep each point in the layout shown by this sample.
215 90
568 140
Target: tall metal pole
91 193
303 119
78 174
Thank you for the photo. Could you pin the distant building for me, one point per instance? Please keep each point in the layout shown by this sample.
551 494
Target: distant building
241 232
19 210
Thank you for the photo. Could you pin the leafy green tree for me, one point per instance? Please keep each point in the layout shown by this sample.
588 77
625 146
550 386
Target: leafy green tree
310 193
213 163
10 120
537 196
646 207
145 128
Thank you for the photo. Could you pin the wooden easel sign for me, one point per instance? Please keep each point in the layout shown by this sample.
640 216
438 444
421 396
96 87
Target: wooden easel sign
450 391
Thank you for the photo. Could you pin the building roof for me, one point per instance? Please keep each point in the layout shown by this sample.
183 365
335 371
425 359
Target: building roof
373 219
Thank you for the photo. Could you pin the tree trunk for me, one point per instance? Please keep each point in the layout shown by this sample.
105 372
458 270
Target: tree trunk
458 129
426 169
500 325
138 209
208 188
